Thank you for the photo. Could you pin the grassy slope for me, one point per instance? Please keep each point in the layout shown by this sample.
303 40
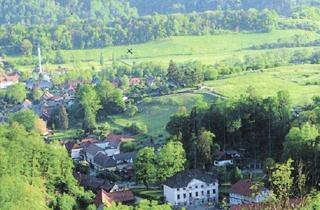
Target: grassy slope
268 82
157 113
207 49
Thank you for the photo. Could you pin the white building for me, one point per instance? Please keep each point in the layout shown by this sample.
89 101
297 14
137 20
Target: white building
244 192
8 80
191 188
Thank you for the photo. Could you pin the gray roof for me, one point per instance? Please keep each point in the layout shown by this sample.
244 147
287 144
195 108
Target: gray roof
183 178
104 161
124 156
93 149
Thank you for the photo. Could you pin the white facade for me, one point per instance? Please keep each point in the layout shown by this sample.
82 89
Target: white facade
75 153
196 192
220 163
109 150
6 84
236 199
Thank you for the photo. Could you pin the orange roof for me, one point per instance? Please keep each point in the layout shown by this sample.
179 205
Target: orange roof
244 187
106 198
10 78
89 140
135 81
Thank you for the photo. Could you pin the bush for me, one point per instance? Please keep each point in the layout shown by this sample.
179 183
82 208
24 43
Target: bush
129 146
136 128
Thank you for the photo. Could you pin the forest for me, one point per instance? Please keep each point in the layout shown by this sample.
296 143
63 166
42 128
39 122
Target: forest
96 24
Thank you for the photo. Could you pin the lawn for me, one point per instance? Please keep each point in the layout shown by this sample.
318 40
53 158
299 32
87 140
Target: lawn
156 112
302 82
151 194
208 49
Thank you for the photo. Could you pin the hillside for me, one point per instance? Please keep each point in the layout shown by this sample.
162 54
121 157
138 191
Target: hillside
207 49
301 81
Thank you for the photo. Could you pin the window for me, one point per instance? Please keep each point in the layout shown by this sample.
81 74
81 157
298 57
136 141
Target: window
201 186
196 186
178 189
184 188
213 191
184 195
178 196
190 195
208 192
196 194
202 193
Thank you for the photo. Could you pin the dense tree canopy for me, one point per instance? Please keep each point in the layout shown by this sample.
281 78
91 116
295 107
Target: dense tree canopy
35 175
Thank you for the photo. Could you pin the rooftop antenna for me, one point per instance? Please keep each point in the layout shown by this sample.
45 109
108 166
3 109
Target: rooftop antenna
39 57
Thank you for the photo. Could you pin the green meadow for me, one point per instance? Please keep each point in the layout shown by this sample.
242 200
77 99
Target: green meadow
302 82
155 112
207 49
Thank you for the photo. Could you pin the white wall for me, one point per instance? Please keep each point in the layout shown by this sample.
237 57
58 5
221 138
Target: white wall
236 199
75 153
195 191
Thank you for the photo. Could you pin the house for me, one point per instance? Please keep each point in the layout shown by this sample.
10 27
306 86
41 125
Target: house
75 149
104 198
245 192
8 80
124 161
191 187
96 184
134 81
223 159
112 143
91 151
102 162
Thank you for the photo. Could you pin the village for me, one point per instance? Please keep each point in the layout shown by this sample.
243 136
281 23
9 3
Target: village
105 167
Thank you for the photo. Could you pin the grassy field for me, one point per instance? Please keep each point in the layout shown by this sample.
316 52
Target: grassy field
302 82
156 112
208 49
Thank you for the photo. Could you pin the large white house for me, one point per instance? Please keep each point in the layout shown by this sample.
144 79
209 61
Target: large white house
245 192
191 188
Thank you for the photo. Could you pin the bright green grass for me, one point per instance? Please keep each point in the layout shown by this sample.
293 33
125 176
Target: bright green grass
156 114
298 80
208 49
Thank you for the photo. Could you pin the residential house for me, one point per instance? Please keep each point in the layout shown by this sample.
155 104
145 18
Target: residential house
95 184
223 159
91 151
112 143
104 198
134 81
124 161
192 187
245 192
75 149
8 80
103 162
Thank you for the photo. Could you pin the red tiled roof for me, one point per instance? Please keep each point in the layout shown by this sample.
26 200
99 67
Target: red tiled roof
106 198
10 78
135 81
115 137
243 187
90 140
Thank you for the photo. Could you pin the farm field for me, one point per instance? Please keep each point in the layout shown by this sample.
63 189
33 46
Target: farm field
207 49
302 82
156 112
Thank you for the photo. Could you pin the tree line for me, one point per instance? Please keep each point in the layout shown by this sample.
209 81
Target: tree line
82 34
